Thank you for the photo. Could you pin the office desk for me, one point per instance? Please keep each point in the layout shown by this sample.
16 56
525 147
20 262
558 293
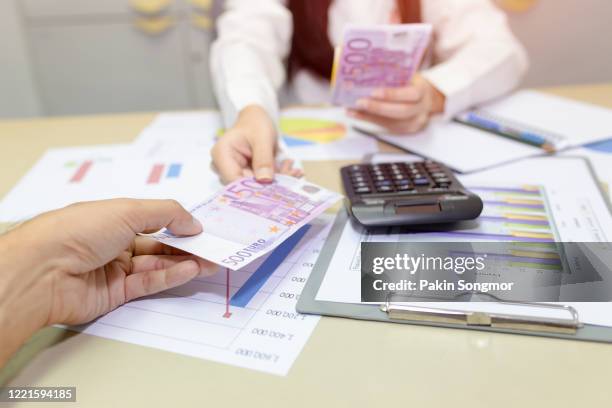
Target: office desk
345 363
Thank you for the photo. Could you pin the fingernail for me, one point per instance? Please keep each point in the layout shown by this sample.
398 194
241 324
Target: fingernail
197 223
362 103
264 175
378 93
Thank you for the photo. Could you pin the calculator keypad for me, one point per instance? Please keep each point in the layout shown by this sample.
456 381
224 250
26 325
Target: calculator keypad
398 177
407 194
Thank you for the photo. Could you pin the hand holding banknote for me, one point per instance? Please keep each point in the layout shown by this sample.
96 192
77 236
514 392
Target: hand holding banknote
401 110
375 76
248 219
72 265
248 149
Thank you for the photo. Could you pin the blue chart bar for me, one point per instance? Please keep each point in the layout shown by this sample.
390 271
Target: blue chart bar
174 171
266 269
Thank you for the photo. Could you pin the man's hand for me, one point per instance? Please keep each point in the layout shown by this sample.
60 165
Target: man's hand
72 265
248 149
401 110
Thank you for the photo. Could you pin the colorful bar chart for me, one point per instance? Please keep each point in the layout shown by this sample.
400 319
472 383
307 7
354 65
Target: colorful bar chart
81 171
174 170
519 216
244 295
509 214
156 173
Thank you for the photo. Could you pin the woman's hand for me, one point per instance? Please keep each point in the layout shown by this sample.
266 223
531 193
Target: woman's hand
72 265
401 110
248 149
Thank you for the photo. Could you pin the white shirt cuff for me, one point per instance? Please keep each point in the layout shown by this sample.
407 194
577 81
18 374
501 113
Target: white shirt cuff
455 89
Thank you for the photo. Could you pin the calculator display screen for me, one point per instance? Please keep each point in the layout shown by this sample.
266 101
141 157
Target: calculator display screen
420 209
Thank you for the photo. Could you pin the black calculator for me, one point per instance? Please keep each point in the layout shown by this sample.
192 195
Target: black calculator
407 193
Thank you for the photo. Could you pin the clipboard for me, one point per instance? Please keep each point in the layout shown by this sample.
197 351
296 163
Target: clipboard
568 328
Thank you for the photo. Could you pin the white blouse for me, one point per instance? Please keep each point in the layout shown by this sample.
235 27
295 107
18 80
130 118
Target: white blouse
475 57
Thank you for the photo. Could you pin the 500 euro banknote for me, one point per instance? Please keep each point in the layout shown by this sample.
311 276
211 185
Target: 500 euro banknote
247 219
372 57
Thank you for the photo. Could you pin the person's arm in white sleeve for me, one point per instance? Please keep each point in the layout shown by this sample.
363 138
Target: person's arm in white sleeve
247 58
247 65
477 58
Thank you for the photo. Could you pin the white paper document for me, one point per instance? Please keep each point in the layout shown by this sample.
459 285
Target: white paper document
535 200
600 156
177 135
569 122
462 148
68 175
245 318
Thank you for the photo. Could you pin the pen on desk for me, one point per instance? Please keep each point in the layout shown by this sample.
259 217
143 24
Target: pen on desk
479 122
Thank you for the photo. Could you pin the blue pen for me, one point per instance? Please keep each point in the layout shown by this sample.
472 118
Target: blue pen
475 120
482 122
533 137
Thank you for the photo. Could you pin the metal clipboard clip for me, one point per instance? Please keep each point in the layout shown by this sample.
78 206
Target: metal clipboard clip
427 314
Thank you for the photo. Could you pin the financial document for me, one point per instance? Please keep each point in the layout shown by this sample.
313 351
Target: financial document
176 135
68 175
322 134
600 156
562 121
527 202
461 147
244 318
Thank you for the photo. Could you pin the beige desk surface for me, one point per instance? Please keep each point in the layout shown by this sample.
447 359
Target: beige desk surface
345 363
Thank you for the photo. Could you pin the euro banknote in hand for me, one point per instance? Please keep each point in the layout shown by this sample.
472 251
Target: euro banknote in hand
372 57
247 219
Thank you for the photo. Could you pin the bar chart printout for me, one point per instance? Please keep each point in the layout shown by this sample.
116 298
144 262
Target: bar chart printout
264 270
519 216
516 215
509 214
160 171
262 330
81 170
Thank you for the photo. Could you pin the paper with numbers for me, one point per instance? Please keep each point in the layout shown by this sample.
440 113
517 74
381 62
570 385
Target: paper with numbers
247 219
245 318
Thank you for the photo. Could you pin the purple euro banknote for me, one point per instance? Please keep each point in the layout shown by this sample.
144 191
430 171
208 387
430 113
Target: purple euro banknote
372 57
246 219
